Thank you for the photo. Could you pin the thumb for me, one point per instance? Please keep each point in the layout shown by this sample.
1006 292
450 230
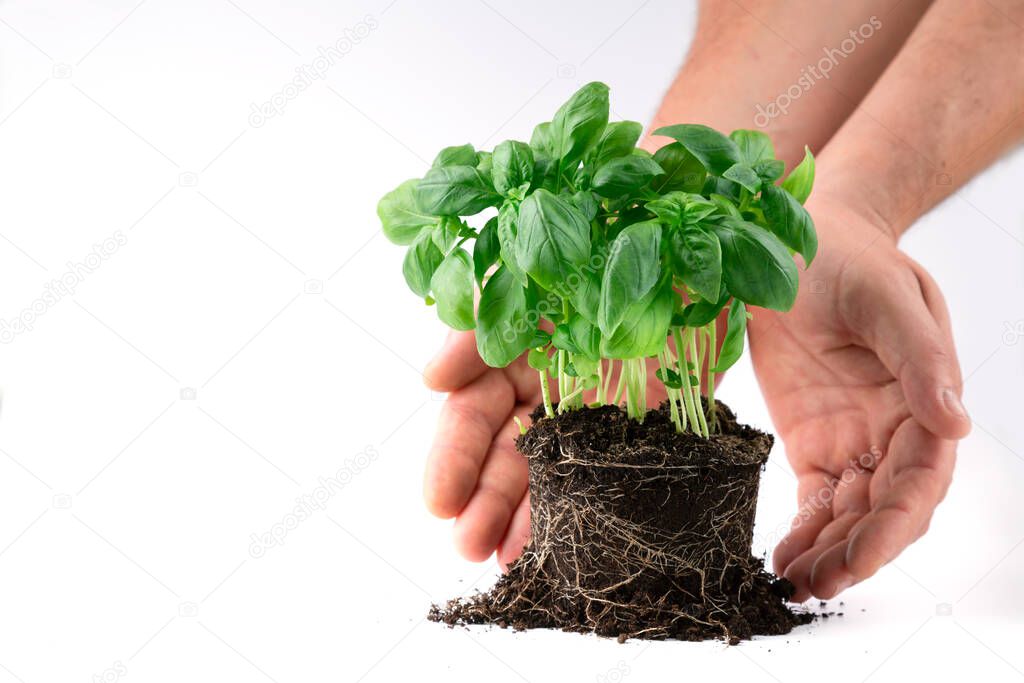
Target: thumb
919 353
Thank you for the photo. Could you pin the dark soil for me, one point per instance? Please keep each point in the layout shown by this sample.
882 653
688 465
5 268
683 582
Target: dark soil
638 532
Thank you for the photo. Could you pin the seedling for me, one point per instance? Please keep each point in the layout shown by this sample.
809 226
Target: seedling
598 256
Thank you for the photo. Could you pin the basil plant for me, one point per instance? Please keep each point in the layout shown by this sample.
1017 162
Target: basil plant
596 252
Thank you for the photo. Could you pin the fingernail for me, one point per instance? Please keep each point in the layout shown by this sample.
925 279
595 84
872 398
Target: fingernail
953 403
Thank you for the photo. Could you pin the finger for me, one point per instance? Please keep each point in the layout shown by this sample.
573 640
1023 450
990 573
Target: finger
481 525
812 516
469 420
912 481
799 570
517 534
456 364
911 344
830 576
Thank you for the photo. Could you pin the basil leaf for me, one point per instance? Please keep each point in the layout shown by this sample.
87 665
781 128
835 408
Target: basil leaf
683 171
586 298
643 330
579 123
420 262
587 203
553 239
508 216
701 313
745 176
463 155
735 331
541 141
696 257
446 233
799 182
455 191
586 337
400 216
623 175
789 220
633 269
756 267
486 249
512 165
503 331
753 145
715 151
769 170
452 287
618 139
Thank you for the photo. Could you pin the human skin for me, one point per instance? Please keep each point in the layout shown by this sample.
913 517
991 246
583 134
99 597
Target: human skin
891 378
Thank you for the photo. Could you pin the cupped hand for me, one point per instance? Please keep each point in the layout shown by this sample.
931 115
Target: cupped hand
863 385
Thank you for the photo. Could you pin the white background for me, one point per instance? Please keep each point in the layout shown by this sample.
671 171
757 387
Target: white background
127 511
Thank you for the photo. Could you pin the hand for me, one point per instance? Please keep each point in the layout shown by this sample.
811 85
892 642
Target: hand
474 472
864 360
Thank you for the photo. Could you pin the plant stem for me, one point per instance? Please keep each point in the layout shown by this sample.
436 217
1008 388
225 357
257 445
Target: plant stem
621 383
545 392
703 424
712 362
684 373
670 391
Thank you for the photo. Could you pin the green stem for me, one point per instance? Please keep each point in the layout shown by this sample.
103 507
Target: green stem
703 424
670 391
712 362
545 392
684 372
620 386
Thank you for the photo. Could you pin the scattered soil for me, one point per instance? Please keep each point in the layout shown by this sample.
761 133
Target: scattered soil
638 532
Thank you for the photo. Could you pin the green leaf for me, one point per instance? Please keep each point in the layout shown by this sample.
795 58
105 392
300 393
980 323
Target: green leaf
769 170
642 332
670 378
538 359
541 141
633 269
463 155
400 215
562 338
726 205
696 258
789 220
683 171
446 233
503 331
421 260
735 331
455 191
486 249
587 338
756 267
799 182
553 239
623 175
579 123
754 146
701 313
587 203
512 165
618 139
452 285
745 176
586 298
715 151
508 216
